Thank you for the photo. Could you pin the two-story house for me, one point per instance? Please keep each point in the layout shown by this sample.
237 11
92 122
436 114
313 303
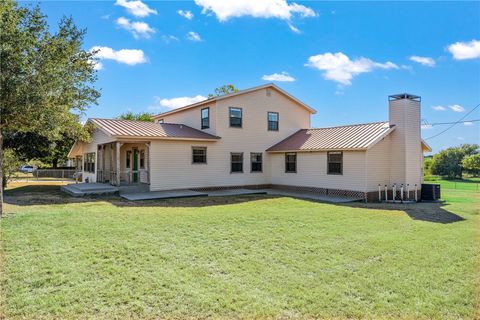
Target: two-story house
257 137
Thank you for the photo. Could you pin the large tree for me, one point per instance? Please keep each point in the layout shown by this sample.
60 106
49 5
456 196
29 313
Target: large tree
46 79
448 162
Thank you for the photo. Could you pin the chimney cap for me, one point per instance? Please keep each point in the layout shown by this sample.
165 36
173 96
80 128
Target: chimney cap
401 96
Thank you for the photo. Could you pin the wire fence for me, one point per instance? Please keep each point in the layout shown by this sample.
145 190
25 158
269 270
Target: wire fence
45 175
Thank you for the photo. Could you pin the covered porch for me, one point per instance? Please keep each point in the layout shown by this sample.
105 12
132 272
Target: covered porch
123 163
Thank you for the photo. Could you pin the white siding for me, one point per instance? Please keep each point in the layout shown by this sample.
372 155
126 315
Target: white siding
171 160
378 165
98 137
192 118
312 171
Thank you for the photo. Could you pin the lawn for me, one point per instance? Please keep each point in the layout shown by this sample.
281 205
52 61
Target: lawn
242 257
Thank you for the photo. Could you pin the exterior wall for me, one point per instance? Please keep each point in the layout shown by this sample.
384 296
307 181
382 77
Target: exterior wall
171 161
406 155
312 171
192 118
98 137
378 165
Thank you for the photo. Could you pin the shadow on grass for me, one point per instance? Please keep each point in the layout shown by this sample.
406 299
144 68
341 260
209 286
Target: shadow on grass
29 195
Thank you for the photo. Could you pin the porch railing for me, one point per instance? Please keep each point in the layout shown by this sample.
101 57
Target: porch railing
142 176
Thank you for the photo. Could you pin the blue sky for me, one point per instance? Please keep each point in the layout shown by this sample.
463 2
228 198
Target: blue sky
344 58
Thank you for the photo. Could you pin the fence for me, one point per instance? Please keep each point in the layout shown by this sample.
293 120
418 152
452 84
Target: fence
45 175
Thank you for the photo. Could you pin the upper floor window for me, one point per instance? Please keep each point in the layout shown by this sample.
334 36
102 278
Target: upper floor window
89 162
290 162
205 115
199 154
235 117
335 162
273 121
256 162
161 121
236 162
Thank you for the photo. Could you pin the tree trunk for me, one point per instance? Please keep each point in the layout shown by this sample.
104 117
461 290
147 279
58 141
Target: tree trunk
54 163
1 174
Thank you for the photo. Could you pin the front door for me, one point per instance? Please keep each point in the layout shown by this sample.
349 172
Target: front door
135 165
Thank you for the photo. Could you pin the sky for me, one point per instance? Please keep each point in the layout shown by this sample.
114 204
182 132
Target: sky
342 58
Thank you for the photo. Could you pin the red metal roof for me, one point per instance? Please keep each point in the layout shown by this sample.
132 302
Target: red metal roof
352 137
142 129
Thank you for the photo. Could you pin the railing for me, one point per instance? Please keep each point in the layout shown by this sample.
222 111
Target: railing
142 176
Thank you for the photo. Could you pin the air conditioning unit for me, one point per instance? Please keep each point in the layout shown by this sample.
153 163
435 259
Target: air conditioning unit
430 192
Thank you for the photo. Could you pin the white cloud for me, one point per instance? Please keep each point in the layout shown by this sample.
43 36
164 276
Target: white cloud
280 9
186 14
179 102
126 56
138 29
461 138
136 7
457 108
283 77
426 61
465 50
439 108
169 38
339 68
426 126
468 123
293 28
193 36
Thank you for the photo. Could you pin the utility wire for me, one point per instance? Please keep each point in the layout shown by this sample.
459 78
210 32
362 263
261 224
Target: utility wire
426 123
455 123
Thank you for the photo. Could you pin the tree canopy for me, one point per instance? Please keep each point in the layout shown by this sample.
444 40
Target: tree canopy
223 90
448 162
46 79
141 116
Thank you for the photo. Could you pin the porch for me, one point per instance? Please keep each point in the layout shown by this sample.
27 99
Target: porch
123 163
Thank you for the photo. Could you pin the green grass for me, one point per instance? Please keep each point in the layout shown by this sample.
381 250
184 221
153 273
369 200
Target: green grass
242 257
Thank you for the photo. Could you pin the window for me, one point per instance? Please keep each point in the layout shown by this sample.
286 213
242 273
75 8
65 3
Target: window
205 115
236 117
128 159
142 159
255 162
335 162
161 121
236 162
290 162
273 121
199 154
89 162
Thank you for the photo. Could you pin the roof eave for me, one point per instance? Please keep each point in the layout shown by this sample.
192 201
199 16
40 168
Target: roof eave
166 138
317 150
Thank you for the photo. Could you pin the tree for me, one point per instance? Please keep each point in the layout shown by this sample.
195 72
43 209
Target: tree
223 90
141 116
427 166
448 162
10 165
46 79
472 164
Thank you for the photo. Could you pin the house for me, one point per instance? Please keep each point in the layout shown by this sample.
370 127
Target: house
259 137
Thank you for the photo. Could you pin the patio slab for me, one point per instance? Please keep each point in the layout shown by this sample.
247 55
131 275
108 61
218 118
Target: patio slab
136 196
86 189
235 192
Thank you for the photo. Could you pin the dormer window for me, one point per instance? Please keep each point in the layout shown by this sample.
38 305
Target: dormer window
205 118
235 117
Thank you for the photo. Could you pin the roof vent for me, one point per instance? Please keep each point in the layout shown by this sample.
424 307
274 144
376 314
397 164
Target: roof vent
401 96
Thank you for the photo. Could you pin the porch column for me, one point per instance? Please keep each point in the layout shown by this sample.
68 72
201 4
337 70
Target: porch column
110 174
147 160
118 162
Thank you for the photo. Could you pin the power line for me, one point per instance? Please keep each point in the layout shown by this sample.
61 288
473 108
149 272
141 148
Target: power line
455 123
426 123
